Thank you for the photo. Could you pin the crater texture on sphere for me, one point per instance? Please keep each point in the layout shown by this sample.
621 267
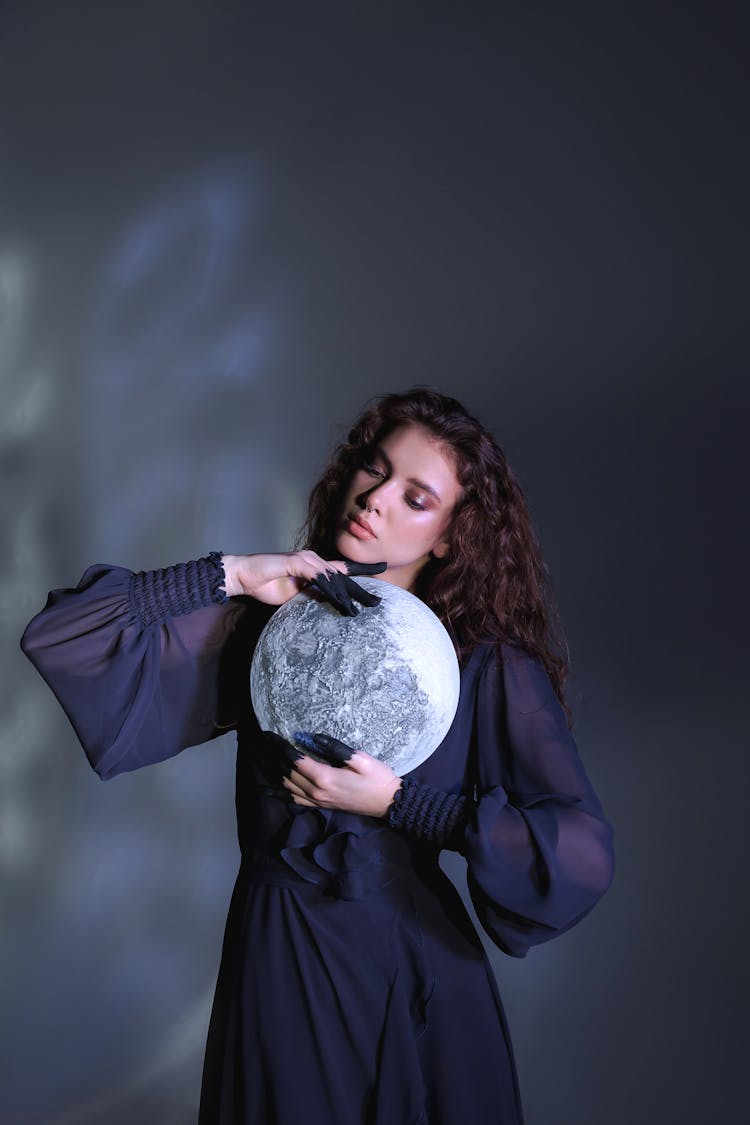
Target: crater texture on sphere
385 681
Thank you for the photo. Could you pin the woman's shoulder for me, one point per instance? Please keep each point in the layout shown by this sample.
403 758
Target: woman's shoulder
506 667
491 649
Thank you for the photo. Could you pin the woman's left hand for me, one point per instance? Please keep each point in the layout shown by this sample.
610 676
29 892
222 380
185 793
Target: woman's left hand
356 783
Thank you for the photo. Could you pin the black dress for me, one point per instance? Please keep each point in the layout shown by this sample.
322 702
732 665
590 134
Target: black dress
353 988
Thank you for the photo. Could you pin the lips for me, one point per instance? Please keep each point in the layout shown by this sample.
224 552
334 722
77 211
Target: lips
363 524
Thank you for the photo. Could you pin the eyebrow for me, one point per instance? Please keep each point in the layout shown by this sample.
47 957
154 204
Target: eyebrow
379 452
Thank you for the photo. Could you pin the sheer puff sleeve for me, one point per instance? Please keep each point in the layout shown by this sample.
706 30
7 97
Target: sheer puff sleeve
539 850
141 662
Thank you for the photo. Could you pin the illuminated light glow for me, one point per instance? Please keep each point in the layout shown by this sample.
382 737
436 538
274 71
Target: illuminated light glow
386 681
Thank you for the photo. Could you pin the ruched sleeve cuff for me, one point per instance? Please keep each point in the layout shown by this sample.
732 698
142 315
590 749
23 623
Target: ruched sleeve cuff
156 595
429 814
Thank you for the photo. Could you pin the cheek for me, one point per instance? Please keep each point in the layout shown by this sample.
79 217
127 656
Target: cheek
439 529
421 532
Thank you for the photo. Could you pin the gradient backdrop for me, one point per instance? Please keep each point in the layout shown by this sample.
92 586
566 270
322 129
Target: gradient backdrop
223 227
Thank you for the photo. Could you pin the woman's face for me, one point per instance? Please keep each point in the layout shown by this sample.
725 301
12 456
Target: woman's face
410 487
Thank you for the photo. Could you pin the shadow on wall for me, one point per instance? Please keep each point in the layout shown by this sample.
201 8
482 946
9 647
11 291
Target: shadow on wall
159 423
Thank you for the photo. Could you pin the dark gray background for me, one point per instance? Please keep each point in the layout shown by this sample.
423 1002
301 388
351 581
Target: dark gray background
223 227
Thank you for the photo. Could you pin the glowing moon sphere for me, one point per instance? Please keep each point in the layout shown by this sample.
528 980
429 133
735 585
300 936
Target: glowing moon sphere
385 681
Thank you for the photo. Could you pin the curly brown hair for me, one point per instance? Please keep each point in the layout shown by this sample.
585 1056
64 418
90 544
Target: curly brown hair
494 585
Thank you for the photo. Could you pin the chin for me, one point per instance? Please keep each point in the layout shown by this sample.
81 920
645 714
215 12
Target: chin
358 550
353 548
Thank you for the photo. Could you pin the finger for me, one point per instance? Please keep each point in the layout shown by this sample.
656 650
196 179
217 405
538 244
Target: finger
304 739
326 594
357 568
342 587
341 755
311 771
312 564
330 588
366 597
330 749
335 751
298 796
323 565
307 788
294 789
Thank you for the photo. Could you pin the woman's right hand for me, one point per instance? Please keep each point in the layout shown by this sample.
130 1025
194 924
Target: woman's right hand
276 578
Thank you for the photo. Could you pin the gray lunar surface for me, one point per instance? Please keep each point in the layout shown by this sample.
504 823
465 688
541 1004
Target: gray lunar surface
385 681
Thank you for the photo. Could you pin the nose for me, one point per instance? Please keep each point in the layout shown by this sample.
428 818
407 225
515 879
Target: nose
368 503
372 499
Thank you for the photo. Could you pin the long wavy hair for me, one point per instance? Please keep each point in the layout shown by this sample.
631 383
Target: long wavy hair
494 585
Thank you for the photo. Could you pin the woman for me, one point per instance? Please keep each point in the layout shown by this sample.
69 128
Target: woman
353 987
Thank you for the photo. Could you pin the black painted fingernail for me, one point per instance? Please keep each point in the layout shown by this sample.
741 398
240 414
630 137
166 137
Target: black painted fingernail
371 600
328 745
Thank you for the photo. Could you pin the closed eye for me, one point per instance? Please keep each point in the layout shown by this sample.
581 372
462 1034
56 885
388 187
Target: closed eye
374 471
